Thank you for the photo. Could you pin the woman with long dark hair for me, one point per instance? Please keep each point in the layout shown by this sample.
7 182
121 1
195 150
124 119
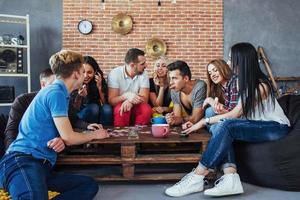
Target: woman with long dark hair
90 101
262 119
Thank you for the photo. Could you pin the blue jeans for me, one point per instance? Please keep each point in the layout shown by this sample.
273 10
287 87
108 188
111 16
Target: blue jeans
209 112
106 115
94 113
229 159
25 177
228 130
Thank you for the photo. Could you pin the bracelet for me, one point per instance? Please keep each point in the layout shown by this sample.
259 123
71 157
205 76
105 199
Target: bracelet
207 121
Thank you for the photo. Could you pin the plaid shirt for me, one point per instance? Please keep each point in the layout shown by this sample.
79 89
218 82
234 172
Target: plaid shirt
231 93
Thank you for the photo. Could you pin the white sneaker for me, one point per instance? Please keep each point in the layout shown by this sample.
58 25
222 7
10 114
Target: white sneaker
228 184
190 183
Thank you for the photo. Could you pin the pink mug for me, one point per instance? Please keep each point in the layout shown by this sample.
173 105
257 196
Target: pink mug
160 130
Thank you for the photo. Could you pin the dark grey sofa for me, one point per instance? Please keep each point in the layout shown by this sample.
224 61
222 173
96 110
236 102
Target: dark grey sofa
274 164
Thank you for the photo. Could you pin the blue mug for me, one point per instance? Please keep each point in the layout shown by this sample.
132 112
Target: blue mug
159 120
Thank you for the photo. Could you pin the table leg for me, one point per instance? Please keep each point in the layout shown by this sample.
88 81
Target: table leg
128 152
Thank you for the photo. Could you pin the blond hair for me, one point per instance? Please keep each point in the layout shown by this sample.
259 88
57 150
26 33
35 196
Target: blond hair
65 62
160 60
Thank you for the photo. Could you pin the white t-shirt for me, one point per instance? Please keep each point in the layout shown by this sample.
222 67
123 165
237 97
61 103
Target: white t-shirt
118 79
271 112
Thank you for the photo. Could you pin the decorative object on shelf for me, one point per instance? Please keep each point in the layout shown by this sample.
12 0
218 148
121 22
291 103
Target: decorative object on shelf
11 60
11 39
85 27
156 47
6 38
7 94
21 40
15 56
122 23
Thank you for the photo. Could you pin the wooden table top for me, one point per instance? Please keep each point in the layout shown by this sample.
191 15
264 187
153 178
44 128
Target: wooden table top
145 136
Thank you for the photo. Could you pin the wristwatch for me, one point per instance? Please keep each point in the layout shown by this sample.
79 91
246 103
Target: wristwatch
207 120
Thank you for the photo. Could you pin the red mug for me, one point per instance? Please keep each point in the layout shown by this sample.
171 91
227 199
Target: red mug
160 130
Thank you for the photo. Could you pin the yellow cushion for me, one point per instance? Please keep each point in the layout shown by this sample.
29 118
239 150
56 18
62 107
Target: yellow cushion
5 196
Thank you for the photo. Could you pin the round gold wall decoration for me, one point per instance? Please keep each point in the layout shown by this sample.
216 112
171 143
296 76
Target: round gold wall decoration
156 47
121 23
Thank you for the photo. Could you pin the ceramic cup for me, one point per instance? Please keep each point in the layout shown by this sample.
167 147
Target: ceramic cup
160 130
159 120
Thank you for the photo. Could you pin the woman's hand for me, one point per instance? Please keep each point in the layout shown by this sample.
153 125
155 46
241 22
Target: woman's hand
195 127
208 101
218 107
98 79
83 91
187 125
160 82
158 109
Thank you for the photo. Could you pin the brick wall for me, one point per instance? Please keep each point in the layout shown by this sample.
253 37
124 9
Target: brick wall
192 30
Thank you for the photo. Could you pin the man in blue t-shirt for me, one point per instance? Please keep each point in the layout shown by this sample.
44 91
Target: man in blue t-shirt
27 165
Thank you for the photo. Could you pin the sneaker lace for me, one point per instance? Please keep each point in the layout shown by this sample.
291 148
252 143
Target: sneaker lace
218 182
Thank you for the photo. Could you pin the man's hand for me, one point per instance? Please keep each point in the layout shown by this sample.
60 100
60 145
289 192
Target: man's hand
133 98
137 100
195 127
57 144
170 117
83 91
125 107
94 126
100 134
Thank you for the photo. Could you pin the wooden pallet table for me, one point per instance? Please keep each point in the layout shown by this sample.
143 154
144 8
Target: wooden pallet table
132 152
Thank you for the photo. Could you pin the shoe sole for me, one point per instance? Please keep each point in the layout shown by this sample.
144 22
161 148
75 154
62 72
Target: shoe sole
183 194
223 194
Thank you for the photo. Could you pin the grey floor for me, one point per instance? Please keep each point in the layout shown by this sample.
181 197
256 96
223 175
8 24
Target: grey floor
152 191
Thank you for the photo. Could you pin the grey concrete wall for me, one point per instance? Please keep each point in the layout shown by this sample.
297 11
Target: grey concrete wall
272 24
46 35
